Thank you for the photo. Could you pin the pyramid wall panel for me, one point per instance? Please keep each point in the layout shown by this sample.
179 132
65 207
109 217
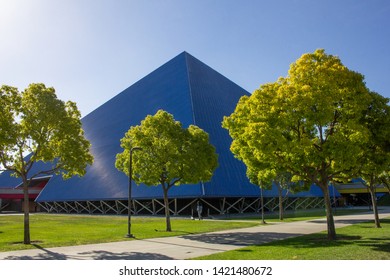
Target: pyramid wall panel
214 97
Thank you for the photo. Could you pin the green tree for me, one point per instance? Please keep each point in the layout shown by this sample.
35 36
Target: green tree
307 123
36 126
283 182
171 155
384 179
376 160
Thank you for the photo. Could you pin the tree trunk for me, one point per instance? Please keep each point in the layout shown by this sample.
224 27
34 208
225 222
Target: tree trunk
329 214
262 206
167 213
281 210
26 210
371 189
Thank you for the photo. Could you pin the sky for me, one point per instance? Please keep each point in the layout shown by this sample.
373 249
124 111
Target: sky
91 50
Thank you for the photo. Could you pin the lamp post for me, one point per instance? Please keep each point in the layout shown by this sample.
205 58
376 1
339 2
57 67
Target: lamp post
129 235
262 206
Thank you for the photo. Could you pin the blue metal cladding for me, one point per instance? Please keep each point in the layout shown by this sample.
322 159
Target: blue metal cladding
7 180
213 97
185 87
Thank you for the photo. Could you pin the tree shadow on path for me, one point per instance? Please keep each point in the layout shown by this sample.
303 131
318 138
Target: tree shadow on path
47 254
106 255
241 238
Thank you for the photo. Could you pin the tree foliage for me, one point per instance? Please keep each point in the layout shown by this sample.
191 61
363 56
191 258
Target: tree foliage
384 179
376 161
36 126
171 155
307 123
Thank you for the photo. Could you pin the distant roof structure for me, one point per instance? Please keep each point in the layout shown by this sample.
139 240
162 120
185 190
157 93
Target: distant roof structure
35 187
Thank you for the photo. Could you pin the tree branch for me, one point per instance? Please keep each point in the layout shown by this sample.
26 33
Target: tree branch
7 166
32 159
321 136
47 172
333 124
175 181
318 147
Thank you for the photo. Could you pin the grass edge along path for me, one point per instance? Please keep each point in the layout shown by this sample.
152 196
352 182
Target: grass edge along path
297 215
361 241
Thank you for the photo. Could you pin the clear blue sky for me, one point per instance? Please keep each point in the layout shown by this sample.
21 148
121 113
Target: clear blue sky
90 50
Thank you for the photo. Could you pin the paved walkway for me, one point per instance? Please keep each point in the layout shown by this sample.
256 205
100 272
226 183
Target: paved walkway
188 246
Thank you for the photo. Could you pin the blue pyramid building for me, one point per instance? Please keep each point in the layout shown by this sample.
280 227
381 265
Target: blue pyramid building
194 94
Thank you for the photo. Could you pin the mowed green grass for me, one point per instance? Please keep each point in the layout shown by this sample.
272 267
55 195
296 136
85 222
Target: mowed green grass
51 230
357 242
302 215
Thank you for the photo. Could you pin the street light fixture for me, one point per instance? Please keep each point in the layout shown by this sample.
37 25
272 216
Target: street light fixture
129 235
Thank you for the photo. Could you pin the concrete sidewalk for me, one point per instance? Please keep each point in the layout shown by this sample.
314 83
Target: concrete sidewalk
188 246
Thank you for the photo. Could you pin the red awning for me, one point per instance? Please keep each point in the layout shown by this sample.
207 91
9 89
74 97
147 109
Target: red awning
34 189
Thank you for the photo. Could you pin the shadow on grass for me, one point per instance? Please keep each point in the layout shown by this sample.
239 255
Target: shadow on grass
318 241
349 222
377 244
178 231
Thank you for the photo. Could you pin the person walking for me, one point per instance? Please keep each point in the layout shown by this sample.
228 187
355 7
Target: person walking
199 209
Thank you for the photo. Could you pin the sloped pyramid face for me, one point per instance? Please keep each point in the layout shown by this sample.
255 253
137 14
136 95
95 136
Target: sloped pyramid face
191 91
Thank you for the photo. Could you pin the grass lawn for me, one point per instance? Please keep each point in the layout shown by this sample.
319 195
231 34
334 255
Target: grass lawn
51 230
356 242
301 215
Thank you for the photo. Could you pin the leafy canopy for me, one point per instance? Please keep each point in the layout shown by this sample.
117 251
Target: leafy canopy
376 161
36 123
307 123
170 153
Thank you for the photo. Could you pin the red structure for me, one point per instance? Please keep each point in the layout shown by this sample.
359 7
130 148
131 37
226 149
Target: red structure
11 198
